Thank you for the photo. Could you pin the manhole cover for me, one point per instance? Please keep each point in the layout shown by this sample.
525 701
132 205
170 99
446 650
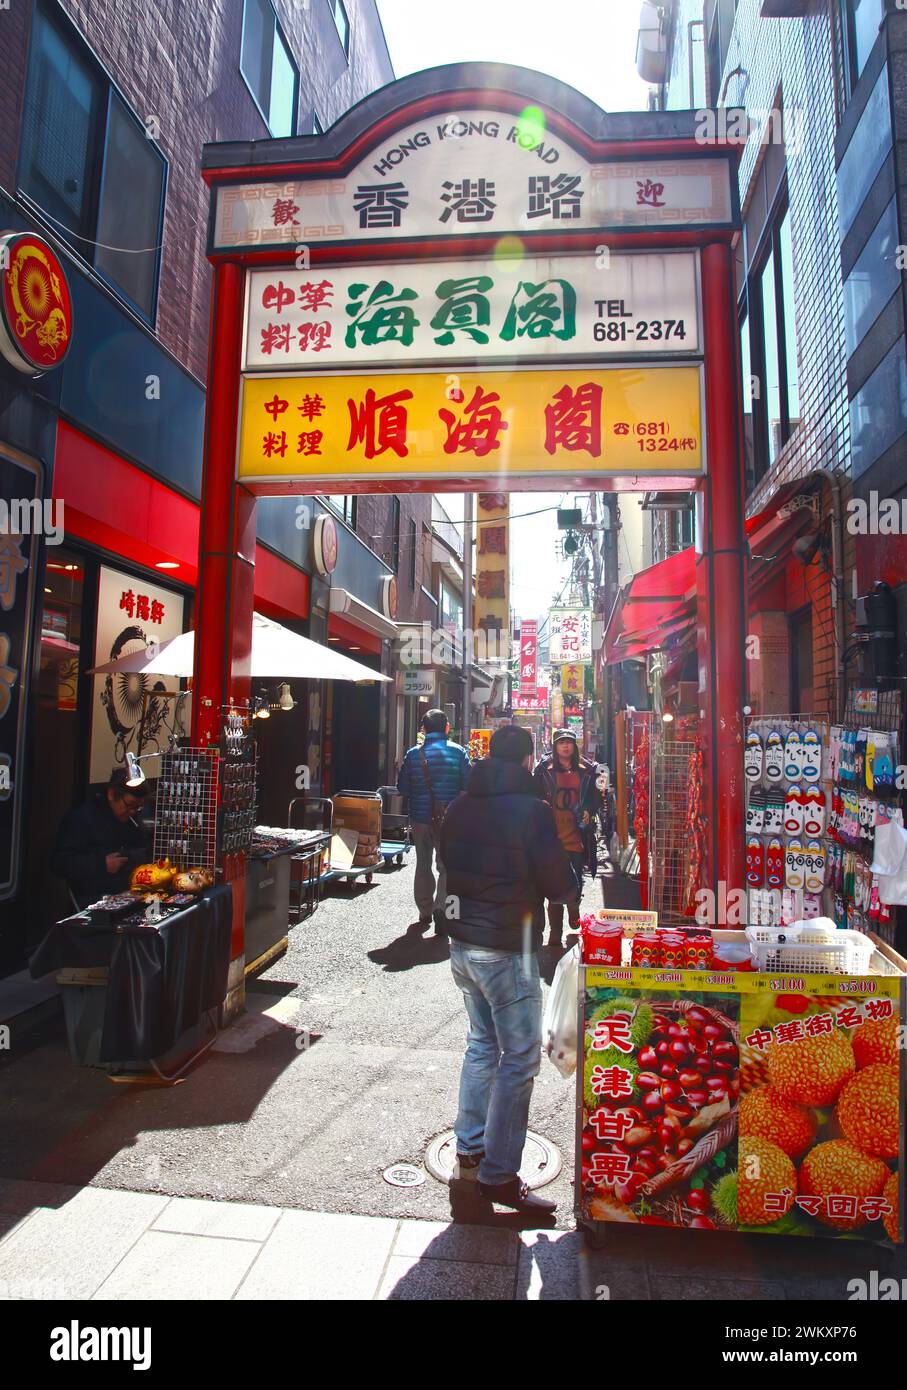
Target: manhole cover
403 1175
541 1159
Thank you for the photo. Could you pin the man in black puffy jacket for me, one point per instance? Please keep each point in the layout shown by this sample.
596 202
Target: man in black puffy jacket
503 856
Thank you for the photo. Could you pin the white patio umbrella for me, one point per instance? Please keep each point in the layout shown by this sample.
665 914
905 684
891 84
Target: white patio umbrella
276 651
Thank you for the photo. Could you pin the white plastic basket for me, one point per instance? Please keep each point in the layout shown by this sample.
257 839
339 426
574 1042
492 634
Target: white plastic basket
789 950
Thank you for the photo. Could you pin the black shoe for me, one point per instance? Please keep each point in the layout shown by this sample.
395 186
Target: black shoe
516 1194
467 1205
440 924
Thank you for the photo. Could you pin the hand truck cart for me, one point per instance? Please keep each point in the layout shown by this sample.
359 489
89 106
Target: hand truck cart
359 811
396 838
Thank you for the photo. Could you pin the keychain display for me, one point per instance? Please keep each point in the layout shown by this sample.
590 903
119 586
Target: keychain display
238 782
185 808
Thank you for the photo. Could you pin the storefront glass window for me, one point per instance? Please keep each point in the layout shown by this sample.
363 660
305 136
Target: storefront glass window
746 367
57 741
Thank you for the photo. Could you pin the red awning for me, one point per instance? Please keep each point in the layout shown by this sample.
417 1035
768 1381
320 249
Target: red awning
658 607
655 608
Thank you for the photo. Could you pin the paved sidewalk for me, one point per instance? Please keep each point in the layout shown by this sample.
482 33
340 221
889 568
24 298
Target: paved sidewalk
84 1243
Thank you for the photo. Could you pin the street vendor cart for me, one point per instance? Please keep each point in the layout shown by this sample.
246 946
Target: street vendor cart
767 1099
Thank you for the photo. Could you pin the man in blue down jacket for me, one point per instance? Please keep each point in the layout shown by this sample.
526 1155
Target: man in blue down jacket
441 778
503 857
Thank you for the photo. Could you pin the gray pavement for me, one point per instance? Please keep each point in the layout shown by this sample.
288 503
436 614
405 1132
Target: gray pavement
261 1172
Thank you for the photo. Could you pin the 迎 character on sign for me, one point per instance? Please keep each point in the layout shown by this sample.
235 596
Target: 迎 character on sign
649 193
12 564
383 317
471 199
573 420
379 423
559 196
8 675
479 434
546 310
380 205
465 309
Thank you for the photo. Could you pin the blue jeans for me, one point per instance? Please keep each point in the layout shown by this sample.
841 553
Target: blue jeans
503 997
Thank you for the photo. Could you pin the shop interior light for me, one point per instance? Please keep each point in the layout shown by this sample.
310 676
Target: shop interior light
667 717
285 694
260 708
167 565
136 776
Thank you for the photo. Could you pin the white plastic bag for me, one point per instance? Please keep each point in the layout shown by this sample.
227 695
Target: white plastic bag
890 863
559 1022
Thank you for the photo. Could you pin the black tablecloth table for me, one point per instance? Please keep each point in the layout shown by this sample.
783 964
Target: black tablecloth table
163 977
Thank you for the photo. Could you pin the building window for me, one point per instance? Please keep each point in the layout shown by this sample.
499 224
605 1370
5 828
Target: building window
395 534
346 506
270 73
413 543
341 19
861 20
771 395
90 165
873 280
317 127
426 557
719 22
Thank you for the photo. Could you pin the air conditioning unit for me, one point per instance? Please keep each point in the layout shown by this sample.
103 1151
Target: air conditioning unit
785 9
651 44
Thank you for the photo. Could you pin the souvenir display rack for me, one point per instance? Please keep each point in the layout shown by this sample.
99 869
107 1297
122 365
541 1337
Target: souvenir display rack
788 842
238 781
185 824
865 756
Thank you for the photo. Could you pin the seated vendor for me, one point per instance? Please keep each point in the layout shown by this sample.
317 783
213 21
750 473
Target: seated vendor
100 843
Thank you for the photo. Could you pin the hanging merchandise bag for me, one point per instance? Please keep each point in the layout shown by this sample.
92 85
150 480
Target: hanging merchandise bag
559 1022
890 862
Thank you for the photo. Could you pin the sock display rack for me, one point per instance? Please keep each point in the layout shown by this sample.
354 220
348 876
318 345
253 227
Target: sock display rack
864 757
238 782
788 801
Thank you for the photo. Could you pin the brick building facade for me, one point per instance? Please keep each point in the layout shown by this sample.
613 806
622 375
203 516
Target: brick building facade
790 76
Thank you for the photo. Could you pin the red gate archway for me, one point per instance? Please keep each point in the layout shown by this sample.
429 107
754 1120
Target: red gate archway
330 251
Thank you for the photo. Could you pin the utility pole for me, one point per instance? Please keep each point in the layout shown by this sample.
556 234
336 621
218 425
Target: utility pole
467 617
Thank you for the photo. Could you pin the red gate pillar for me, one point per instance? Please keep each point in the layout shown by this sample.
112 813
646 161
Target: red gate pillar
721 582
226 561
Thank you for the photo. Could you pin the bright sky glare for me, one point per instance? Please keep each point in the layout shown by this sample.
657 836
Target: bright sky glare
590 44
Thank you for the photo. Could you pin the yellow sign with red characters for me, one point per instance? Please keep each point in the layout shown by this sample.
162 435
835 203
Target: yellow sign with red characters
506 425
572 678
